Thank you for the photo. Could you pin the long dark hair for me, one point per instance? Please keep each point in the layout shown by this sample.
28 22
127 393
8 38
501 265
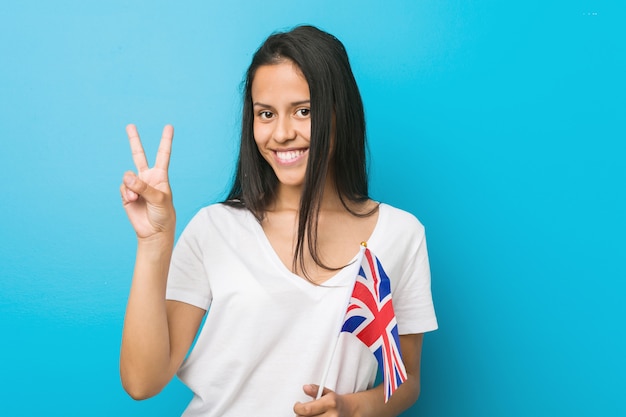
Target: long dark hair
337 134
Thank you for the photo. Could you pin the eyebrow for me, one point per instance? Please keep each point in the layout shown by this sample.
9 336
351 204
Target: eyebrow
295 103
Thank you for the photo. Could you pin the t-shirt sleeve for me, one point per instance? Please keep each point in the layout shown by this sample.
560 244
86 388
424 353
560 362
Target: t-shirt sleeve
187 279
412 297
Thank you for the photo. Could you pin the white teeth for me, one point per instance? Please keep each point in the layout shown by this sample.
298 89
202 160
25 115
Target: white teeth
289 156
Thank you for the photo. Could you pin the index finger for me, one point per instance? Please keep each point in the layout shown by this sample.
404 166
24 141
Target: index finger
313 408
165 148
139 156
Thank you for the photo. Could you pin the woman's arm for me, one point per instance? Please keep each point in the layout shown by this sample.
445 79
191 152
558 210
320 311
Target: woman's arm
371 402
157 334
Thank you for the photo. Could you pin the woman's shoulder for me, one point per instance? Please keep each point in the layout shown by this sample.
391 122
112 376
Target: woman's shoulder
219 215
396 228
395 217
225 207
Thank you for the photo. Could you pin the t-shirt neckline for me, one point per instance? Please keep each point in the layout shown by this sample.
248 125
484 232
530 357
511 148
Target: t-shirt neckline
337 279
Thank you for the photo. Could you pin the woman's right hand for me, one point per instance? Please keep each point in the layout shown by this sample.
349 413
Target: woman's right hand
146 196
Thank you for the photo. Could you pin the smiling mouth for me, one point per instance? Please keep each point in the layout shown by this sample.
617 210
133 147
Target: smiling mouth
288 157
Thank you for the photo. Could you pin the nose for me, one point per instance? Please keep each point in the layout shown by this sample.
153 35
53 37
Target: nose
284 130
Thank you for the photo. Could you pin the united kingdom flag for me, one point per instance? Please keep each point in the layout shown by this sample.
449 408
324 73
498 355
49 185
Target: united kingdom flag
370 317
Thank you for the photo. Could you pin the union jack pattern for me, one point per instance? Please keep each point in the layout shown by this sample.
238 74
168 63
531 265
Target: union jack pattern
370 317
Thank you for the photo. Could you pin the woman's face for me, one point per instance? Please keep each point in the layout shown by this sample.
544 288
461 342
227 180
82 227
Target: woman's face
282 120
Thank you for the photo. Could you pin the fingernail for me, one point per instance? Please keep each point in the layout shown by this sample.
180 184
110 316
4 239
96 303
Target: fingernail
129 179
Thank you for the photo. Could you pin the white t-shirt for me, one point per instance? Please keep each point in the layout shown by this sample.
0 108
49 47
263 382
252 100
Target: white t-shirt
269 332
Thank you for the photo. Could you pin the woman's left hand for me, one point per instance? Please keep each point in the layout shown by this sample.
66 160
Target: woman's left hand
330 404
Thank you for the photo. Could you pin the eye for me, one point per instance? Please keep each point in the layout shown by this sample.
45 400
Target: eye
265 115
303 112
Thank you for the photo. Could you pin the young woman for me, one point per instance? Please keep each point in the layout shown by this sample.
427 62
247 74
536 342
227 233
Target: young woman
275 263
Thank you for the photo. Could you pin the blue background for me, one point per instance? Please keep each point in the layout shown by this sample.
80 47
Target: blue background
501 125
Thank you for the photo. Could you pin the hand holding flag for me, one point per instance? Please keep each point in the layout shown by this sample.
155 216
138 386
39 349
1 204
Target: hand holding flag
370 317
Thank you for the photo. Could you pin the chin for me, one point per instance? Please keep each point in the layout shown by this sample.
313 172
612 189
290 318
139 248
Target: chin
291 182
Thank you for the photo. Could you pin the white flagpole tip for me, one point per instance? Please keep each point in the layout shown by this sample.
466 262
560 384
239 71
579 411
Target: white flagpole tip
364 244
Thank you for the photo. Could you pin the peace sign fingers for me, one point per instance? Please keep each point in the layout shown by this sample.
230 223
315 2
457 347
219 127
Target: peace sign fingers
139 155
146 196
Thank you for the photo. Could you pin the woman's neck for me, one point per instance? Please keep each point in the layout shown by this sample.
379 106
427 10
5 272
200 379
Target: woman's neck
288 197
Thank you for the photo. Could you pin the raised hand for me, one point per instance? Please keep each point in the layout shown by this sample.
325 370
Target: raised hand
146 196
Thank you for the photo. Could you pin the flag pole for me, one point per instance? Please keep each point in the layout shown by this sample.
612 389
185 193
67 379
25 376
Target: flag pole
332 355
